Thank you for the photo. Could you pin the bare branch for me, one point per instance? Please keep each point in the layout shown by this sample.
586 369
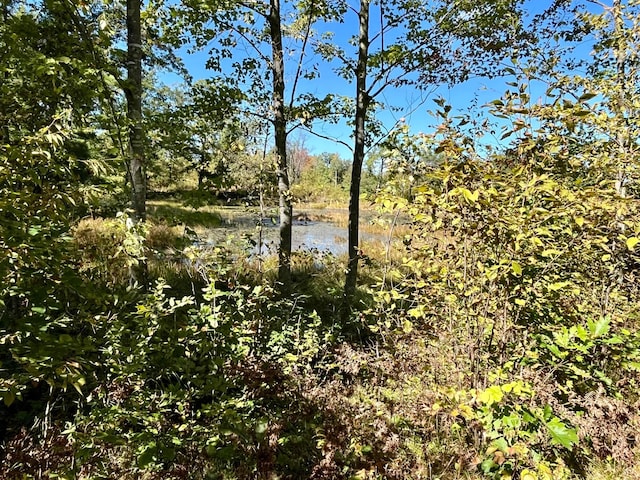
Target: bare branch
250 42
412 110
325 137
307 33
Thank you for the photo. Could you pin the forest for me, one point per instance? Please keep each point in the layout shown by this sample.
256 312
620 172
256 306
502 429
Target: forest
477 316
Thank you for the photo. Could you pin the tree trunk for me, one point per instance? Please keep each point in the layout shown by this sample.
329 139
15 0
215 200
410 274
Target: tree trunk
133 91
200 179
4 130
362 105
622 137
134 110
280 133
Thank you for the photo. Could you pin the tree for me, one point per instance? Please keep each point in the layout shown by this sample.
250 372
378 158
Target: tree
419 44
299 158
274 19
363 99
614 75
136 157
168 135
183 140
47 103
599 88
259 27
337 167
402 160
323 179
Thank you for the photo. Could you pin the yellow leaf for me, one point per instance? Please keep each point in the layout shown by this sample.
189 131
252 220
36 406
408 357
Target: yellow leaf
527 474
557 286
517 268
407 326
470 197
632 242
491 395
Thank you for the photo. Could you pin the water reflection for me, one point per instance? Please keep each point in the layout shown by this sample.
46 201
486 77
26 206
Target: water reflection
262 238
321 236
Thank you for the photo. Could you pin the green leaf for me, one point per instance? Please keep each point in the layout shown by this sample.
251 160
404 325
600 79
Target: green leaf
147 455
439 101
561 434
554 350
599 328
529 417
488 465
501 444
582 333
8 397
587 96
78 383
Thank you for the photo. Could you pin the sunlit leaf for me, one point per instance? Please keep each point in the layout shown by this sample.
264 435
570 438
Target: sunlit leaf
599 328
632 242
491 395
516 268
561 434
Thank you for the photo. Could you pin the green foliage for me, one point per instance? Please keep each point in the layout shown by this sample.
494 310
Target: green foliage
531 268
182 144
522 436
324 178
588 357
178 376
38 282
401 162
501 340
43 58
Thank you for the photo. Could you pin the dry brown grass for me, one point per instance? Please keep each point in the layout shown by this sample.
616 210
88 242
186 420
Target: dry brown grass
612 470
99 244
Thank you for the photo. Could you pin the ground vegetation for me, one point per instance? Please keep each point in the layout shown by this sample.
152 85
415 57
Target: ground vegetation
494 332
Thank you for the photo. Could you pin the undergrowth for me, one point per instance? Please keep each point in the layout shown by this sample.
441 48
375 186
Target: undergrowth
471 351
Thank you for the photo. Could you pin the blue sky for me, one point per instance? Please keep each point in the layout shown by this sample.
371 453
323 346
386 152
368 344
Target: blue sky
414 104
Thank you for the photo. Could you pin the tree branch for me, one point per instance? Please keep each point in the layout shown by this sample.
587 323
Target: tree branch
302 54
325 137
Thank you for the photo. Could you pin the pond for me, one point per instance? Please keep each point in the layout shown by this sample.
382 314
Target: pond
310 232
